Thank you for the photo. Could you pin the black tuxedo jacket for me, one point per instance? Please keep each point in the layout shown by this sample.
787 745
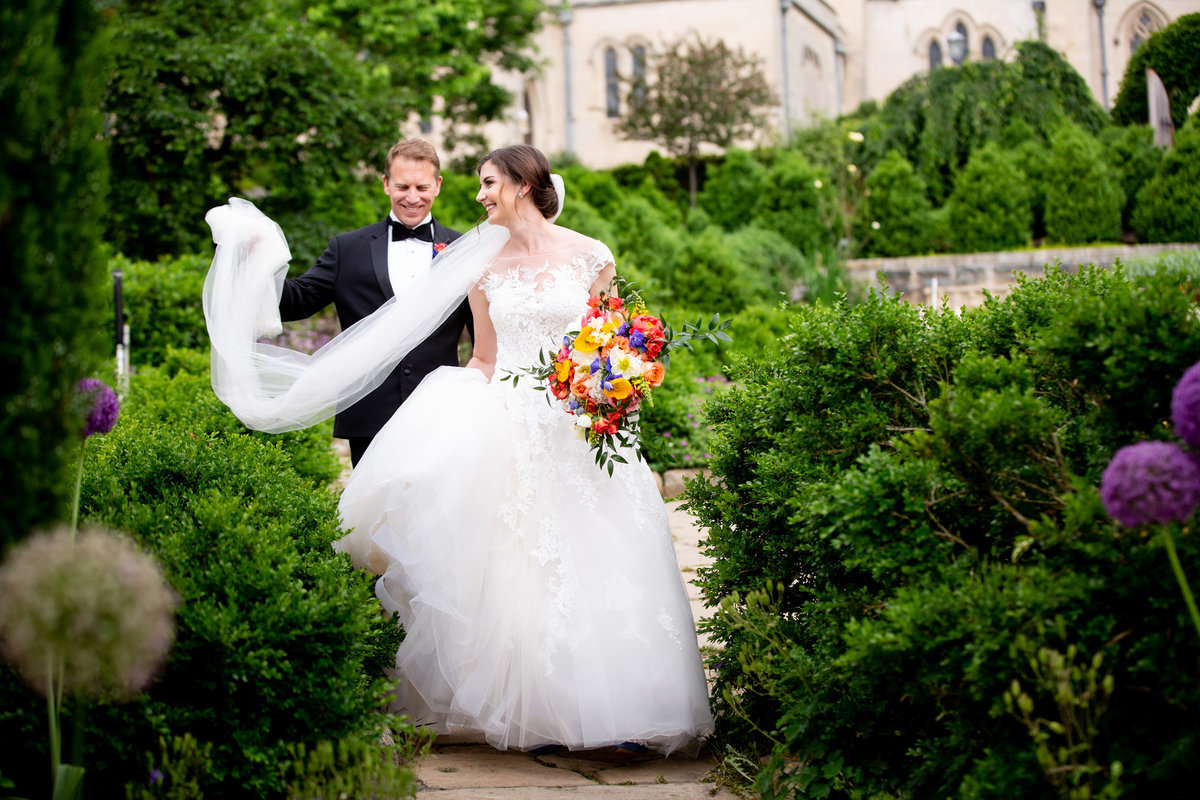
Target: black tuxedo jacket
352 274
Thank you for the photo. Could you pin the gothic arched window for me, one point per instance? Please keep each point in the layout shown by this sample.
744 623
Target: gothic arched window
1141 30
961 56
612 86
639 74
935 54
989 48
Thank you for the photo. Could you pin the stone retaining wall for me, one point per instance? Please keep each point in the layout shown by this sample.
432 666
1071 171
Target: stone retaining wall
962 277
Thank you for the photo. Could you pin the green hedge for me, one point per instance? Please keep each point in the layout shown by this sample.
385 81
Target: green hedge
1084 198
904 520
280 640
1168 204
991 206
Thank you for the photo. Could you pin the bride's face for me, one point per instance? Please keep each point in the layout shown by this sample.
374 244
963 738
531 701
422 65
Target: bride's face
497 194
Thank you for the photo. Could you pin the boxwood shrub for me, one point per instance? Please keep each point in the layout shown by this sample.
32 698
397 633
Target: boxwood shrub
280 641
921 594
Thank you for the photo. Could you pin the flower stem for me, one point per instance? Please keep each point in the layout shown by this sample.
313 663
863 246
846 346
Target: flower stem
78 483
52 714
1179 576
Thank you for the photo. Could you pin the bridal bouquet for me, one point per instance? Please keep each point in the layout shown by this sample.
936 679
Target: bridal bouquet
605 371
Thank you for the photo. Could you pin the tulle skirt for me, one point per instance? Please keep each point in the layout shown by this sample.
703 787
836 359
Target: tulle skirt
540 597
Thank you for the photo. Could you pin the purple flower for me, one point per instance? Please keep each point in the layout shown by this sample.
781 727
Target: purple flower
1185 406
105 406
1150 482
156 776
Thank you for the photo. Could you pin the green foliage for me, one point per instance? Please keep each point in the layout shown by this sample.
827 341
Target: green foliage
455 205
291 102
53 185
894 217
1131 149
460 42
162 303
798 203
990 206
1173 53
280 641
355 767
937 120
1168 205
734 189
703 92
1084 198
214 100
904 520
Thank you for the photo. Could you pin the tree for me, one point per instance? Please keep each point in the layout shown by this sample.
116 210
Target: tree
53 184
457 44
1084 197
298 102
702 92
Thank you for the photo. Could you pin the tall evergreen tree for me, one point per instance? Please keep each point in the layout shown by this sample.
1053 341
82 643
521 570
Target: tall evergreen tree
53 184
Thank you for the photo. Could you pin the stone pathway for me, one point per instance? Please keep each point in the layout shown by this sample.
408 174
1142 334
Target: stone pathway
461 768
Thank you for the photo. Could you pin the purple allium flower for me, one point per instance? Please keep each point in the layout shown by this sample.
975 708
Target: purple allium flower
1185 406
1150 482
105 406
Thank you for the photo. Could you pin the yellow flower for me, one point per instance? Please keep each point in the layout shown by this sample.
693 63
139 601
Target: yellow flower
592 339
562 371
621 388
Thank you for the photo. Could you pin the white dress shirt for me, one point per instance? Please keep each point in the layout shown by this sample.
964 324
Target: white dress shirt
408 258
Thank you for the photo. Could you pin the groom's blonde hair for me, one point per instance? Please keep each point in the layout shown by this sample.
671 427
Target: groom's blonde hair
412 150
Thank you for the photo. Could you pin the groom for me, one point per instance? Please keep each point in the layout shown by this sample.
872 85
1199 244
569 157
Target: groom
363 268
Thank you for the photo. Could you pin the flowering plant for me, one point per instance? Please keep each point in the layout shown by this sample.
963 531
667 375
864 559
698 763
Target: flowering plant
438 247
605 371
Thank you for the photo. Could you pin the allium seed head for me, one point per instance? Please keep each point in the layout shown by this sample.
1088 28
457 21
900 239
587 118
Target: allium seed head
95 604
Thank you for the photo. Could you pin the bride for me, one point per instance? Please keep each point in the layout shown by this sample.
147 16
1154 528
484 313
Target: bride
540 598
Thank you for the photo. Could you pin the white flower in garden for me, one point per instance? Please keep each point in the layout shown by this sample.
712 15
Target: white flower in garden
818 183
875 225
855 136
93 605
851 168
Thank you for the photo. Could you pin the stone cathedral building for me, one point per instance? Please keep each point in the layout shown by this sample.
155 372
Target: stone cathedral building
822 57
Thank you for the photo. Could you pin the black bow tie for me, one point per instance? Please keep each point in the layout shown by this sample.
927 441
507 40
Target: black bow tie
400 231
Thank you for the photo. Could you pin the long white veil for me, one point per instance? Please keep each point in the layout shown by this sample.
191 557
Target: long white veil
273 389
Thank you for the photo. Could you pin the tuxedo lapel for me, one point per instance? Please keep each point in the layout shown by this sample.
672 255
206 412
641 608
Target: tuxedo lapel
379 258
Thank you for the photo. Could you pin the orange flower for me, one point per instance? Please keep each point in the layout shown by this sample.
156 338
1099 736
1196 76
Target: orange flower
654 374
579 388
616 341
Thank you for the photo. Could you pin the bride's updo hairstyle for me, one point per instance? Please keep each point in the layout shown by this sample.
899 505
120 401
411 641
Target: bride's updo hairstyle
523 163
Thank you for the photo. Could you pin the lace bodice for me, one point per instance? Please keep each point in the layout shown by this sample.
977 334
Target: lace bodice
534 301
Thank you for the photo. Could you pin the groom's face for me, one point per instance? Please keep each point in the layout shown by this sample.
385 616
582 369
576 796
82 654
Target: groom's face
411 186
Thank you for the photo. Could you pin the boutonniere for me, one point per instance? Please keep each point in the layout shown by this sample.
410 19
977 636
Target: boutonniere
438 247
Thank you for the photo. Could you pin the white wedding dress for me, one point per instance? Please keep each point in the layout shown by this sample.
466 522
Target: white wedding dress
540 597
